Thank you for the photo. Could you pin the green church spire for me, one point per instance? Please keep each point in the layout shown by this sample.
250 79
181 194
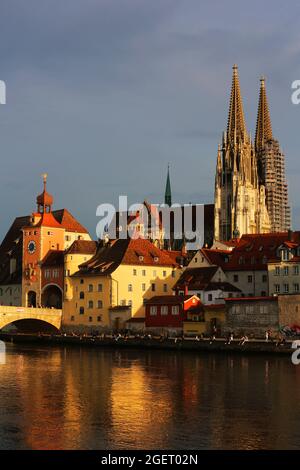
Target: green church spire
168 194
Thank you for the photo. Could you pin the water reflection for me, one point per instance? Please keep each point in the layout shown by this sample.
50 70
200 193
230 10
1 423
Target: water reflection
72 398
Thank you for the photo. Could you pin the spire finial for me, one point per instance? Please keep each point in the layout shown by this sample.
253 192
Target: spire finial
236 128
45 176
263 123
168 194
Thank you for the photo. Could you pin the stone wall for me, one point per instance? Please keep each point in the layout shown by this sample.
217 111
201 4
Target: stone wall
289 310
252 317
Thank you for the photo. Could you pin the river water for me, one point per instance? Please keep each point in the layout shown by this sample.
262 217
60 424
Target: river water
72 398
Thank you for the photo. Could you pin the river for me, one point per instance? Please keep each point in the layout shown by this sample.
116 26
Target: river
72 398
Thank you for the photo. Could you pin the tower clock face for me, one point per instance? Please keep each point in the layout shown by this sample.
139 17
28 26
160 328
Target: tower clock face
31 247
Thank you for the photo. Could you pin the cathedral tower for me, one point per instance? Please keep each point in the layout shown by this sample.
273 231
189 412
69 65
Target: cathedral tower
239 195
271 167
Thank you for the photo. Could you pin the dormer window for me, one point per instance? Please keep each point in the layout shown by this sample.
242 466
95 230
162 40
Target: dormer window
141 258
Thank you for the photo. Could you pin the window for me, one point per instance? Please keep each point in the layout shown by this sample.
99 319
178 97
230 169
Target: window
134 272
100 304
249 308
90 319
277 288
164 310
164 273
175 310
99 287
296 287
90 287
143 287
286 271
81 295
195 260
263 293
129 287
235 278
81 281
165 287
143 272
173 273
91 304
296 270
154 273
81 310
130 303
153 287
209 297
250 279
263 309
236 309
72 318
277 271
264 278
286 288
153 310
99 318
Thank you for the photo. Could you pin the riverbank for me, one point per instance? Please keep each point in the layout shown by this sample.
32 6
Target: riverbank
187 344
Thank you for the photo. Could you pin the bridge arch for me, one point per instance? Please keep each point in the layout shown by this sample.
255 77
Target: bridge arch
34 319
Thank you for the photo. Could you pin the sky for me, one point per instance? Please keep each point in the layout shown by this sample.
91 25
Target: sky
103 94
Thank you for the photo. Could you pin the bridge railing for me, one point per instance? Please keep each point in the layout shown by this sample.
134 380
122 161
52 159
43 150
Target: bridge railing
8 309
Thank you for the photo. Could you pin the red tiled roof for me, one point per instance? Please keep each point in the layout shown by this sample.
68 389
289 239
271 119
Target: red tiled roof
216 257
135 252
54 258
68 221
48 220
85 247
254 251
144 252
196 278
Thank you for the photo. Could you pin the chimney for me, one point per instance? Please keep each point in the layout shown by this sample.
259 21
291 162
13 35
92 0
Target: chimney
290 235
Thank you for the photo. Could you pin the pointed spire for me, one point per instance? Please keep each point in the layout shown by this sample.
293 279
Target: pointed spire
236 128
168 194
263 123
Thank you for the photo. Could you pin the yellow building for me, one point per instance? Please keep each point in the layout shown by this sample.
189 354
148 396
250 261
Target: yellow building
113 285
207 321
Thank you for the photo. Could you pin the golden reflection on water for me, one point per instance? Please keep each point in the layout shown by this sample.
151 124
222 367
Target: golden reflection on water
83 399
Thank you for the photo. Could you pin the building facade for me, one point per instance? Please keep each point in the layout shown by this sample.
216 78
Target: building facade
114 284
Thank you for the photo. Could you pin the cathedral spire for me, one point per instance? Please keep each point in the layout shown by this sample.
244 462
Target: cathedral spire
263 123
236 128
168 194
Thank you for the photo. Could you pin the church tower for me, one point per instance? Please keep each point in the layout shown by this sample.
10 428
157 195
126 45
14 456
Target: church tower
239 195
271 166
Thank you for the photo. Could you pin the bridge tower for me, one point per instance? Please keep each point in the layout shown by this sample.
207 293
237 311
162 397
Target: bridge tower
43 238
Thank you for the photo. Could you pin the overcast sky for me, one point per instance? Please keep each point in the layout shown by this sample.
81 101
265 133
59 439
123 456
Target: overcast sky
102 94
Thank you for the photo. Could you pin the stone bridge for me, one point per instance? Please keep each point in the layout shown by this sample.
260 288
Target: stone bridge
48 316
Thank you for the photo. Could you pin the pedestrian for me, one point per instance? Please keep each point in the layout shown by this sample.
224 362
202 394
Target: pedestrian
267 336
